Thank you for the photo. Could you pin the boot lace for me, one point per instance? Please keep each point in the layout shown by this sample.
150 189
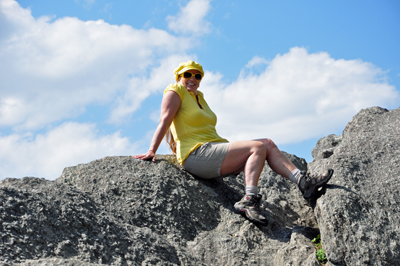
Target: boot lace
256 203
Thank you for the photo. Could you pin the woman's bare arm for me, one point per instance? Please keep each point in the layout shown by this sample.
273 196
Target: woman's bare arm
169 107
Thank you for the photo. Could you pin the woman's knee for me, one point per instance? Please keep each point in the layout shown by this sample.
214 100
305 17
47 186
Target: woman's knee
268 144
259 147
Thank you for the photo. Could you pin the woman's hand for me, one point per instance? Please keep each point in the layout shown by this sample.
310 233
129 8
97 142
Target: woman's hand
146 156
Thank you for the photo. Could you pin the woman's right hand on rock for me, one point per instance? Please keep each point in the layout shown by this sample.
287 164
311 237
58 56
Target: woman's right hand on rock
150 155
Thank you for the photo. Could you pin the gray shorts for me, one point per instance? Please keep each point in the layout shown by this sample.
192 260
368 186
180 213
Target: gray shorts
206 160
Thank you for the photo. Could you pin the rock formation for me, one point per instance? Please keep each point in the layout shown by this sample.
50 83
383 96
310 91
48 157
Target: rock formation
123 211
359 216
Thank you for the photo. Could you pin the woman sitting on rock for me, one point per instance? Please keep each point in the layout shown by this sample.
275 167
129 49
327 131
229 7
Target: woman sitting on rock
189 124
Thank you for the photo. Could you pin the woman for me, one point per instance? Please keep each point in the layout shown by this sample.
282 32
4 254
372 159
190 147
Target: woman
190 124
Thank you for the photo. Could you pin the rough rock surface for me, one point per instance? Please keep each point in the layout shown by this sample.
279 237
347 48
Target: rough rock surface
359 215
123 211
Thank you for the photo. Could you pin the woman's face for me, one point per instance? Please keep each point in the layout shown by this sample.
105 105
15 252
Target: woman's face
190 84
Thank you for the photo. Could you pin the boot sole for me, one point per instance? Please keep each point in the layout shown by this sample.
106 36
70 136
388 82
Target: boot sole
322 184
245 213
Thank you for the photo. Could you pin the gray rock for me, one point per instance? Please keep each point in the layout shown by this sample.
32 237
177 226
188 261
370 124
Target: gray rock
299 251
45 219
359 214
325 147
123 211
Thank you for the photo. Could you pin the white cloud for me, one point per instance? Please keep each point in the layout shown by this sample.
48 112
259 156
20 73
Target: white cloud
67 145
141 87
297 96
256 61
190 19
51 70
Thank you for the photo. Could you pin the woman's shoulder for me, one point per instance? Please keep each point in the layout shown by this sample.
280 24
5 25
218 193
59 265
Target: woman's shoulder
176 87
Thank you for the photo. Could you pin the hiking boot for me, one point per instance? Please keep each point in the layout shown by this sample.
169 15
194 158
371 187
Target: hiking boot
309 185
250 205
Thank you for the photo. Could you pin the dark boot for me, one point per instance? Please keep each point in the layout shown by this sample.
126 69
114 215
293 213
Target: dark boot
250 206
309 185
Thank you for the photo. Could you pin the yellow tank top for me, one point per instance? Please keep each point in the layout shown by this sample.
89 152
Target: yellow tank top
192 126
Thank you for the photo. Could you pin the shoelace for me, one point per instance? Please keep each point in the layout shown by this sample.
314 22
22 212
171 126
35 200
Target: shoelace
307 177
256 203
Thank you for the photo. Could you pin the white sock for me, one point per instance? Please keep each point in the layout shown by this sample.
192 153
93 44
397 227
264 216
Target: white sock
251 190
295 176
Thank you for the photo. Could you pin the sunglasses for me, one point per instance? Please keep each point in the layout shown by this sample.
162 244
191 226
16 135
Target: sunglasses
188 75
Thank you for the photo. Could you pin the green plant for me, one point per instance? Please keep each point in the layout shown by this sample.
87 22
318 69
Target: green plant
321 257
317 240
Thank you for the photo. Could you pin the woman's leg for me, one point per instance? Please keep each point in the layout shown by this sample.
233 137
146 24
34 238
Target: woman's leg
248 156
278 162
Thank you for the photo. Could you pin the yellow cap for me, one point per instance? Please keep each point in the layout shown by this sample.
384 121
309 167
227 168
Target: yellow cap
185 66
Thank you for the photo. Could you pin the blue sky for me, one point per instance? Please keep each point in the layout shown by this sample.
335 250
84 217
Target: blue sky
83 79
